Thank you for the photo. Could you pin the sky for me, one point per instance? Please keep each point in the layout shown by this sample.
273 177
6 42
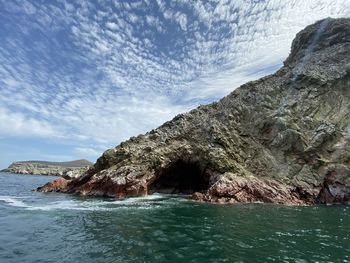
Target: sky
79 77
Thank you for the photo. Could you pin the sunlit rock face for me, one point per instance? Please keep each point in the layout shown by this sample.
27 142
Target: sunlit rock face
282 139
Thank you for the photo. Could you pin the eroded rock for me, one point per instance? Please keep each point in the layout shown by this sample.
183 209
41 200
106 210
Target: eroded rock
54 186
271 140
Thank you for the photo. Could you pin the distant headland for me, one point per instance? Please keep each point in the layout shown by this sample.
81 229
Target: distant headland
65 169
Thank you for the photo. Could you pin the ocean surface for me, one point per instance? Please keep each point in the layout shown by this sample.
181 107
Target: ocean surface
51 227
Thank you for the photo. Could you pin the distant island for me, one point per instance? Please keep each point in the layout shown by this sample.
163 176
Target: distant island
68 169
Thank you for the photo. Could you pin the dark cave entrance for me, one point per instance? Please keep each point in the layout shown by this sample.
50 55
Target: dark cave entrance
181 177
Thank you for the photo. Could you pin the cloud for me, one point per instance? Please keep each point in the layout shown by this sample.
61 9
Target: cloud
112 26
182 20
85 151
17 124
89 74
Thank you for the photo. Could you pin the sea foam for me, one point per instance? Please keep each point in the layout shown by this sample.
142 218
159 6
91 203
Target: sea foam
148 202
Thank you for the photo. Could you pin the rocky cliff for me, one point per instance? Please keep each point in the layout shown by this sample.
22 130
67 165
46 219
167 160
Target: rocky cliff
283 138
68 170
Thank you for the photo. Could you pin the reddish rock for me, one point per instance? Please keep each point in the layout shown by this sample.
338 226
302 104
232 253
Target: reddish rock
57 185
234 189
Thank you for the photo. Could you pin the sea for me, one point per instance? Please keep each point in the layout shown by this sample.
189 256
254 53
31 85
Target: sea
54 227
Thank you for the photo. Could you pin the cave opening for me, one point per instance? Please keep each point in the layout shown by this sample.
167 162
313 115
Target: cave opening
181 177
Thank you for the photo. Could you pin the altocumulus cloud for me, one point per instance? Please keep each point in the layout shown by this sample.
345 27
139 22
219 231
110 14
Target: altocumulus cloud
89 74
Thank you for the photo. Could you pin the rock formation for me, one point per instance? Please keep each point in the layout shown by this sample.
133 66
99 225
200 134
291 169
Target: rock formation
283 138
68 170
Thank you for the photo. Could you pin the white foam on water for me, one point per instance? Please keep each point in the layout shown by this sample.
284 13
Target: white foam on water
152 197
68 205
10 200
146 202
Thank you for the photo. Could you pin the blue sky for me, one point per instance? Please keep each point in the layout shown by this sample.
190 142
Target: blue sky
78 77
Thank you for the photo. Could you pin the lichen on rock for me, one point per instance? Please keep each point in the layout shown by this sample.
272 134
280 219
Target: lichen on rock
275 140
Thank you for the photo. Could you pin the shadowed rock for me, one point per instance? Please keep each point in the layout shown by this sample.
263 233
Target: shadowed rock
274 140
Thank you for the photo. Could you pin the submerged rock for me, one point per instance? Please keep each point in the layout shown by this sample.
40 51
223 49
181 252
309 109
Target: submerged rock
277 139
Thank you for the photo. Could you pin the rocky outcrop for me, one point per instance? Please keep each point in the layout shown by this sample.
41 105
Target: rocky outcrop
68 170
55 185
282 139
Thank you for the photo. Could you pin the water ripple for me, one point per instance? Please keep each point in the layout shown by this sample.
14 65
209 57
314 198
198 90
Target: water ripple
37 227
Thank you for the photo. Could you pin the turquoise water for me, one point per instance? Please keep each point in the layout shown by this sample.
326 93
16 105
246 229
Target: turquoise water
38 227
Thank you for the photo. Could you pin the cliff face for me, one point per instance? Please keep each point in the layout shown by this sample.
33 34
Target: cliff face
68 170
284 138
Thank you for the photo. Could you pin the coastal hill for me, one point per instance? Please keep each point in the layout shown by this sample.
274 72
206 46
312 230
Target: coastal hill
66 169
284 138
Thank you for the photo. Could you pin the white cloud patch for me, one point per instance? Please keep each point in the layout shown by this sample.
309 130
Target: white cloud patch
85 151
112 26
17 124
98 74
182 20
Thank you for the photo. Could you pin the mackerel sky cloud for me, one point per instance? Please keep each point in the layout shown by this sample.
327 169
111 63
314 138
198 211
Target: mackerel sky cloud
78 77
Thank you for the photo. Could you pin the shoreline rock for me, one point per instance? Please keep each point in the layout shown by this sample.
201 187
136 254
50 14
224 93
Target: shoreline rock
284 138
54 186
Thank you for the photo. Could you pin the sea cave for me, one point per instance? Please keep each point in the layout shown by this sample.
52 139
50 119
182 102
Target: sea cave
181 177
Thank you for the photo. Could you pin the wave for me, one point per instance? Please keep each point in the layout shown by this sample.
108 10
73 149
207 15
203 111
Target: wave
152 197
147 202
12 201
